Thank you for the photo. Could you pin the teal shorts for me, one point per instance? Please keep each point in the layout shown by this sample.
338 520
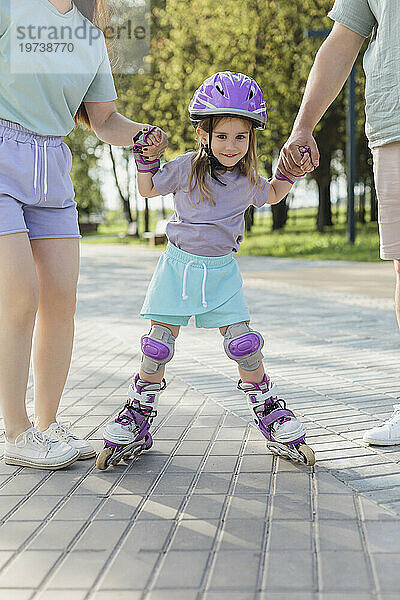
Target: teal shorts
206 287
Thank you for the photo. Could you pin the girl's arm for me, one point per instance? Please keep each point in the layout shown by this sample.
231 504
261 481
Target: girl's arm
278 190
281 185
145 185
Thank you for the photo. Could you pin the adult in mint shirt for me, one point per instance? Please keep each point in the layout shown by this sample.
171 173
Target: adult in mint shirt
356 20
43 93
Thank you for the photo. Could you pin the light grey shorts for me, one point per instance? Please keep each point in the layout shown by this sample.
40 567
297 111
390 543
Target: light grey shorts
387 182
36 191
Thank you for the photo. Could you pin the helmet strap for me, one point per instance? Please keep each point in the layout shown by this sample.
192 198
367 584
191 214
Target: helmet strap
213 162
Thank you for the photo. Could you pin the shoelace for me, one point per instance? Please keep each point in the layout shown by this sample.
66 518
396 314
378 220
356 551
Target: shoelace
395 416
36 437
63 430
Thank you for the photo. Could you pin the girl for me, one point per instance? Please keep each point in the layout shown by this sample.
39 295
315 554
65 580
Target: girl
197 274
42 95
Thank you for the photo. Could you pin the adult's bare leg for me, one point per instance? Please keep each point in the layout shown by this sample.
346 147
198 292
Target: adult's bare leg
397 291
18 305
57 265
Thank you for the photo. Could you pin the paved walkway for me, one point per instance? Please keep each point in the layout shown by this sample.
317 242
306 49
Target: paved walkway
207 514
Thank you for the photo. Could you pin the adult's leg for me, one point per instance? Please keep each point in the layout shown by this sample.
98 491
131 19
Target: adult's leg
397 292
57 265
157 377
387 183
18 305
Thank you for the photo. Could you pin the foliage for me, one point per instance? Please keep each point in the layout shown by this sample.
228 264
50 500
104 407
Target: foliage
85 148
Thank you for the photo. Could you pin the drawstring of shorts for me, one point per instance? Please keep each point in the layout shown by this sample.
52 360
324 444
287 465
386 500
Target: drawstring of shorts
36 168
203 287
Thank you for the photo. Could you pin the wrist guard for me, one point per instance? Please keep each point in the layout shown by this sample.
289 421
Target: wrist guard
281 177
144 165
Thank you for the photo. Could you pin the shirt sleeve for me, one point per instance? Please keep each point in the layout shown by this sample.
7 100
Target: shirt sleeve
168 179
260 193
354 14
4 16
102 88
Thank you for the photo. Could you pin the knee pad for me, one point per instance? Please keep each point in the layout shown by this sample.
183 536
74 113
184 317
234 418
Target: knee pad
157 348
243 344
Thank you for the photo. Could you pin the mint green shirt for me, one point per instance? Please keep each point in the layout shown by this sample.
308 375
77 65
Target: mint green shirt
381 18
49 64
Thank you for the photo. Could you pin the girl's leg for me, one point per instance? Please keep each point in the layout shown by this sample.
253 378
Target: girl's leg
397 292
255 376
57 265
18 305
157 377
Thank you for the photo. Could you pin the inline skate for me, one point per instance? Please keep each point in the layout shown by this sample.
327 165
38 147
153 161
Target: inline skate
129 434
284 433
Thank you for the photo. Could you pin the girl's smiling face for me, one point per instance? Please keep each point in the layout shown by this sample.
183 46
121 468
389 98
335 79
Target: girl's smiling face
230 140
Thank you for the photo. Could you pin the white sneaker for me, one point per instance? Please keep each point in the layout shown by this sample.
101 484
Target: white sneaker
387 434
33 449
60 432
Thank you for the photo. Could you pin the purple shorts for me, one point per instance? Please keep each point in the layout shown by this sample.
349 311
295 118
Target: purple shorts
36 191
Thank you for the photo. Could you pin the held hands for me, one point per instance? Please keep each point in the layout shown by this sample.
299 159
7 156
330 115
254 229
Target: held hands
156 142
148 145
298 156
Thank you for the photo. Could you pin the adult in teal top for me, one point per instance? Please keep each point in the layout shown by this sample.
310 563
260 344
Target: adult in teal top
356 20
54 71
42 90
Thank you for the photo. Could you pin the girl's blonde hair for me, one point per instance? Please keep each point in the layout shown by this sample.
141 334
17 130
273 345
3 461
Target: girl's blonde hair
200 163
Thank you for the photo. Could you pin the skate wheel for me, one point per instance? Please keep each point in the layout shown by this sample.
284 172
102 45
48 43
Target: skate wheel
148 442
102 461
307 453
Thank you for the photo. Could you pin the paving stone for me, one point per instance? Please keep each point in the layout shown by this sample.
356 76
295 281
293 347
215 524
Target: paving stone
339 535
160 507
56 535
352 566
77 508
33 565
116 595
336 506
194 534
289 506
70 575
16 533
288 571
235 570
183 569
383 536
60 595
13 594
286 535
388 570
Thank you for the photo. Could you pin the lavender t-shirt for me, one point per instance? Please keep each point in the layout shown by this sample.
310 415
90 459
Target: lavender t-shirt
199 227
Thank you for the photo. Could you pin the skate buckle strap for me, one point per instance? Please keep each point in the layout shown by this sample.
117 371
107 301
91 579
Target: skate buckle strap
275 415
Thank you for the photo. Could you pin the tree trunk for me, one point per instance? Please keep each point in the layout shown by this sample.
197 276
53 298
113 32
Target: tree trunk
374 203
124 201
361 205
279 214
146 214
249 218
323 179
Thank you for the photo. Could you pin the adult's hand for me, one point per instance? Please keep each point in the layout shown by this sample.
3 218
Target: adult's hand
292 162
157 142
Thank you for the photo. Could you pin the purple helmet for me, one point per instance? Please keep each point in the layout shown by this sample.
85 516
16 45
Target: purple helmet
228 93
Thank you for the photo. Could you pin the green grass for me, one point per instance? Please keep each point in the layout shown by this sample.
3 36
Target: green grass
298 239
